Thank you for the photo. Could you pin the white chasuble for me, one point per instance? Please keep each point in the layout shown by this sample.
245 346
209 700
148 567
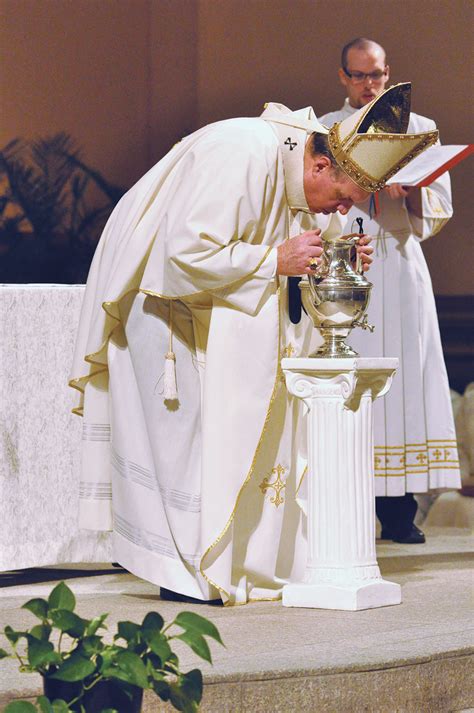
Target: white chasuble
414 435
199 491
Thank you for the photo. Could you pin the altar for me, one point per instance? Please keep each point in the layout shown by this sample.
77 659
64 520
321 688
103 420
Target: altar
39 437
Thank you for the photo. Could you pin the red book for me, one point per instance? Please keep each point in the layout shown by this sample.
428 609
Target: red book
429 165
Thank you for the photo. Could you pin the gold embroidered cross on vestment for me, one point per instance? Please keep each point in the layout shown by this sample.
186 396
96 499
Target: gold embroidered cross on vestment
277 485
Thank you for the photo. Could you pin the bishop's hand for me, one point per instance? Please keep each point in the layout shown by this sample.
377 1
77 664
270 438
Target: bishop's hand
300 255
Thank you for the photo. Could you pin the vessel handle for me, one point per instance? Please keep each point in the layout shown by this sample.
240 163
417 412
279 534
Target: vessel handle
359 268
364 324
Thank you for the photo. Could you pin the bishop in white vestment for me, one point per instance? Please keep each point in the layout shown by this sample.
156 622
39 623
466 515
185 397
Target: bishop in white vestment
200 489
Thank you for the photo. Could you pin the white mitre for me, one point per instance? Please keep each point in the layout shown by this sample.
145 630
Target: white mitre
371 145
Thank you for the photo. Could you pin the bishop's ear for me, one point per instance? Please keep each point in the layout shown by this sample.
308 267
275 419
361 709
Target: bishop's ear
321 163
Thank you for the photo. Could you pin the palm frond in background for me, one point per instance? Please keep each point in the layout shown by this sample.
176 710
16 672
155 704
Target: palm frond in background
53 208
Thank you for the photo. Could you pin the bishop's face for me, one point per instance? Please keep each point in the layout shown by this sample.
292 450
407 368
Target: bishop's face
328 190
361 91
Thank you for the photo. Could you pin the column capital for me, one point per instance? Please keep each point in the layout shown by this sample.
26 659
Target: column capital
347 379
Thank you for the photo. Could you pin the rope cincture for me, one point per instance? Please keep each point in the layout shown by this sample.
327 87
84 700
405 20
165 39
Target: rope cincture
170 390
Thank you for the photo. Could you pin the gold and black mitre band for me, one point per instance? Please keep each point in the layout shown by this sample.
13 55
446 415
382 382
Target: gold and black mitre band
384 153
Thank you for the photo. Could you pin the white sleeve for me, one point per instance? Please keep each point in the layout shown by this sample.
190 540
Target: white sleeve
436 204
216 223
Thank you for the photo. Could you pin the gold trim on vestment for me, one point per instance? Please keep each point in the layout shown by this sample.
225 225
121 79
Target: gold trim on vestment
441 466
210 290
429 453
301 480
424 473
252 601
79 383
441 440
438 224
276 386
414 445
434 201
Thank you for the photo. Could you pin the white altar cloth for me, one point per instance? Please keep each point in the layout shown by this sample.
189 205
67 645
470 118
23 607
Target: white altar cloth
39 437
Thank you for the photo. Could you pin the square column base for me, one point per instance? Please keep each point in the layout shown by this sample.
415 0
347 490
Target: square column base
351 598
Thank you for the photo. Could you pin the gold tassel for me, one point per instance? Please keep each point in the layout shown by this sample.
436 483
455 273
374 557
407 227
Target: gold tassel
170 391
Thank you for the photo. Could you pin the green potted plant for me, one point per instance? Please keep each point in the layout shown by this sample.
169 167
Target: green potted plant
83 673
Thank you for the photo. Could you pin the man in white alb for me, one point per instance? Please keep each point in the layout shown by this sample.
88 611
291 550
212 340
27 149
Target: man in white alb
189 280
415 442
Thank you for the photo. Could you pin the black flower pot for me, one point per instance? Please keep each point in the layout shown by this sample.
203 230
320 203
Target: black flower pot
124 697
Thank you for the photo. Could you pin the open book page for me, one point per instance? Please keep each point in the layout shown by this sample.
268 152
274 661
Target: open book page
430 164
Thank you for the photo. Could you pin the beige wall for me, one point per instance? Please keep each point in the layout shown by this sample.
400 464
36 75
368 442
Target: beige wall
118 75
127 78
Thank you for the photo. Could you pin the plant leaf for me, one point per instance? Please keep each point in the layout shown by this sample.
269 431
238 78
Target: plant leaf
132 665
153 622
197 643
3 654
61 598
117 673
38 607
162 689
190 621
44 705
68 622
158 643
20 707
74 668
60 706
191 684
173 660
41 652
92 645
180 700
107 656
41 631
12 635
152 662
95 624
127 630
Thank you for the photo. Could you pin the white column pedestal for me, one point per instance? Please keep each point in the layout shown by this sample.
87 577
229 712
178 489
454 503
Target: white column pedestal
342 570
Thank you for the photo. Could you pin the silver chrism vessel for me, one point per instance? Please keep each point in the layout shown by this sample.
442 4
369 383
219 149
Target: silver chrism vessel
336 297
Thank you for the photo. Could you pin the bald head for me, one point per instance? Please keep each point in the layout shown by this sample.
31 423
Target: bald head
362 43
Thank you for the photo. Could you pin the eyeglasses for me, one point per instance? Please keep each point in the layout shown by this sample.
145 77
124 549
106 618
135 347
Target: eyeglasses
358 77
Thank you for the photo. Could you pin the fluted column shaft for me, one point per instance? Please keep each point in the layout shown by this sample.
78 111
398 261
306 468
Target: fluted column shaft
342 570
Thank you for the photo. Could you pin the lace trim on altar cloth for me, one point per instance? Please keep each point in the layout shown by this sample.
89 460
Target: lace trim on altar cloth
178 499
151 541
